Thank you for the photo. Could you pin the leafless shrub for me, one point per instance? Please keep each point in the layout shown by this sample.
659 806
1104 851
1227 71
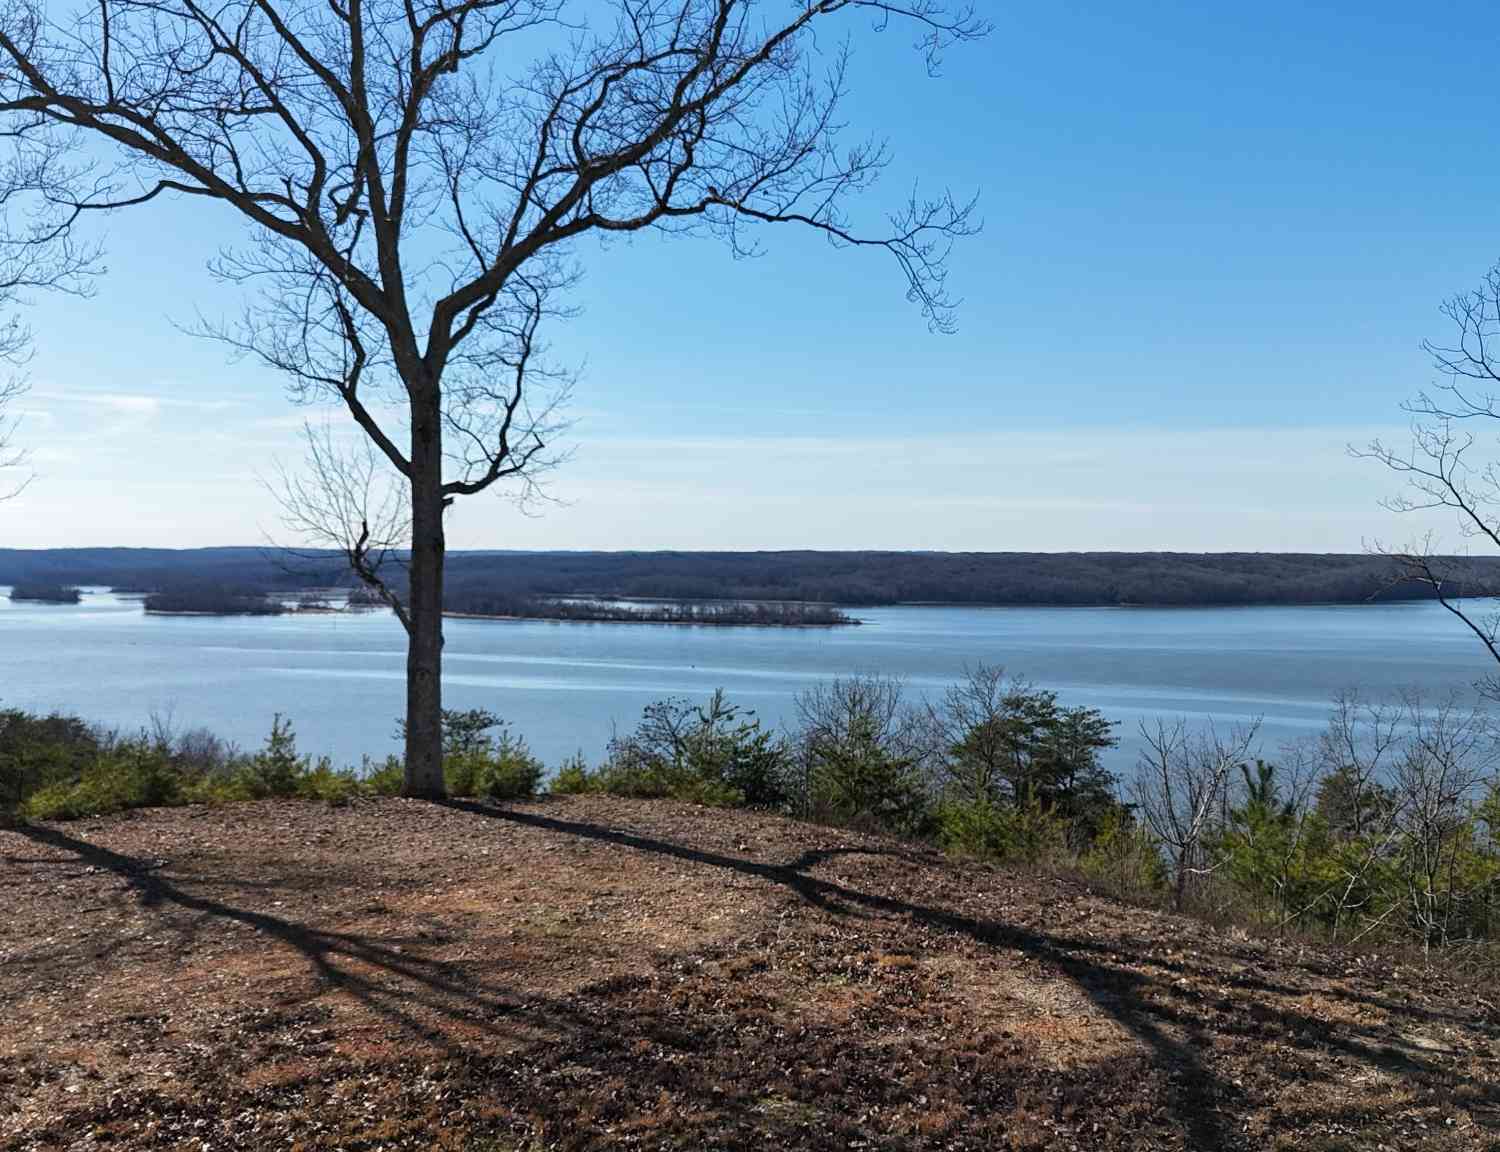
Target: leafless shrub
1181 788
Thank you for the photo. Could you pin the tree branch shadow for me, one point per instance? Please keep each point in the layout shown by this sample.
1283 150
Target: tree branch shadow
1111 990
410 990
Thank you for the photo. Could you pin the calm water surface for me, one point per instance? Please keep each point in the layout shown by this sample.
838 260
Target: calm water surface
566 686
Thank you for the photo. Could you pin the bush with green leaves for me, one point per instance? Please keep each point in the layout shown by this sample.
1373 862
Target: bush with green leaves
1271 846
1382 829
384 777
276 769
574 778
91 773
130 772
862 756
478 761
503 769
106 785
998 741
41 752
1124 857
1030 832
715 754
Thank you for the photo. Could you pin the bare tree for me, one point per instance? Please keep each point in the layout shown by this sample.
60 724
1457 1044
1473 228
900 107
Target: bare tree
38 250
414 199
1448 466
1182 787
1355 752
1355 760
11 457
1449 754
347 500
1298 773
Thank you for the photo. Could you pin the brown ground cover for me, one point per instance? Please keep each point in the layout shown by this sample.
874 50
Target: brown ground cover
594 973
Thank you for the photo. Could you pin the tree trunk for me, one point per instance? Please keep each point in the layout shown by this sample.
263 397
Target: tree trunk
1179 887
424 650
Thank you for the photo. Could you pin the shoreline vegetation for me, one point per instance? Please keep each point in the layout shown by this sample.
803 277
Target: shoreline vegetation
231 602
1401 852
731 615
838 579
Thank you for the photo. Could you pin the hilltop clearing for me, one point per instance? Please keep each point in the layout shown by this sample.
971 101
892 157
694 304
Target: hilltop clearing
600 973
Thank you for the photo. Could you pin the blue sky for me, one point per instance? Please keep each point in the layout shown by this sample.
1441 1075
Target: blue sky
1214 238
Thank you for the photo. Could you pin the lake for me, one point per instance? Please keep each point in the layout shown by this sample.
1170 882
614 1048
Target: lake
565 687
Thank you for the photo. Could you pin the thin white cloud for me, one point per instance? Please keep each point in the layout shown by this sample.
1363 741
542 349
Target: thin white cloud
121 402
143 403
1047 489
1191 489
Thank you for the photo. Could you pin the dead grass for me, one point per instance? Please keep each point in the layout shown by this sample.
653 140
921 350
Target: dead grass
596 973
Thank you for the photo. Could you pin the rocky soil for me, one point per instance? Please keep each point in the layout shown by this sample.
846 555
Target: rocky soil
592 973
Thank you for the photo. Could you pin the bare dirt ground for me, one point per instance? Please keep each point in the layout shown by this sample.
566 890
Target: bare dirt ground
593 973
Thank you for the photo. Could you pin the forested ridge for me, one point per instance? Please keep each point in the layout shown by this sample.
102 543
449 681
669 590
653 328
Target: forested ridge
843 578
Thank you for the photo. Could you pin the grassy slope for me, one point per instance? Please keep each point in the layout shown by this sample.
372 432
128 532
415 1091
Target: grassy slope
591 973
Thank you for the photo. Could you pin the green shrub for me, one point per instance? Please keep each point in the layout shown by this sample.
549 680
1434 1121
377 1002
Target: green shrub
503 769
1030 832
88 774
154 780
384 778
227 787
131 774
573 779
54 802
862 753
859 783
41 752
664 780
1124 857
510 771
322 781
276 769
461 771
96 794
715 754
475 764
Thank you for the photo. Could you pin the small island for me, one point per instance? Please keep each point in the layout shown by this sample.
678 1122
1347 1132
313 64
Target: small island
364 599
47 593
484 605
735 614
212 602
314 602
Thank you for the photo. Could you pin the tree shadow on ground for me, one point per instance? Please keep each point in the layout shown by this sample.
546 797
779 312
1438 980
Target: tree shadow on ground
1101 971
414 993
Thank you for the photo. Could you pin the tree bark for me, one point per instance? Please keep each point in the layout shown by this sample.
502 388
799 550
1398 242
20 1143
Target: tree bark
424 651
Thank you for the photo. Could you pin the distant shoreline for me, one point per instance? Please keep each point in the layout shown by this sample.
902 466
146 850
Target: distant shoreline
850 580
563 618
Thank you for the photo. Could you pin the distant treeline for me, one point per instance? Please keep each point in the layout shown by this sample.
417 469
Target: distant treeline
839 578
776 614
46 593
